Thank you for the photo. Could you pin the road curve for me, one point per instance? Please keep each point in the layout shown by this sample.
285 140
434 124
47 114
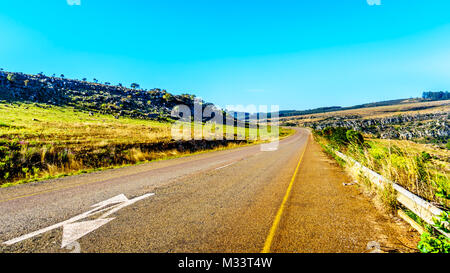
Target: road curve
224 201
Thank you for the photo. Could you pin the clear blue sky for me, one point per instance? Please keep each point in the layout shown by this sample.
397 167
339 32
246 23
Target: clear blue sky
297 54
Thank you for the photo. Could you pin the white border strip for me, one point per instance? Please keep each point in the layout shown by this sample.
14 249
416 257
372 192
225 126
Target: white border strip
420 207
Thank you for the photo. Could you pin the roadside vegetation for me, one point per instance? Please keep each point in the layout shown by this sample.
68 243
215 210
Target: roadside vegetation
432 240
41 141
422 169
418 168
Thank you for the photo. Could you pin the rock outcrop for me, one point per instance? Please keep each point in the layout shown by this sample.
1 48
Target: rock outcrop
435 126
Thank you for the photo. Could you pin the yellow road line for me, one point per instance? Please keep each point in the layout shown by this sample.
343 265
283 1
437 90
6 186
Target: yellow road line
274 227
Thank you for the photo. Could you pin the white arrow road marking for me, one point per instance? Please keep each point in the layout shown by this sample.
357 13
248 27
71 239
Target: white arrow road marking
73 232
120 202
127 203
116 199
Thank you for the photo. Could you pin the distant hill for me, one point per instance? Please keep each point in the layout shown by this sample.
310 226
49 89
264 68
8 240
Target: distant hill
320 110
427 96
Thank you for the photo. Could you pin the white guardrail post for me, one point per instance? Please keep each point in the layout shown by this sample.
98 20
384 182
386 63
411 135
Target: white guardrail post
425 210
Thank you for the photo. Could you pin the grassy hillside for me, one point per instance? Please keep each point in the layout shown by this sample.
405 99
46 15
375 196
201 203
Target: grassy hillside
321 110
95 97
39 141
427 96
405 107
67 126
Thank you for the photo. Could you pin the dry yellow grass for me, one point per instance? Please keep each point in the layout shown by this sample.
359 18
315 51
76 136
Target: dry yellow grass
419 168
66 126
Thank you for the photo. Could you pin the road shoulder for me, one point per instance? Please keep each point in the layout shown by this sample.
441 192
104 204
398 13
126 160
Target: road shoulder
323 215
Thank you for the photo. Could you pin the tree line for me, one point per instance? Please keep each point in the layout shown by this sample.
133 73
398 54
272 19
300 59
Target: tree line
439 95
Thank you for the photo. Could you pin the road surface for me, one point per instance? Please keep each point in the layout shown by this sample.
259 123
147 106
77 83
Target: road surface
239 200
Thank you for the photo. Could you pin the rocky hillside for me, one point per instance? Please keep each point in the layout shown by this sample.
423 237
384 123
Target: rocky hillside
88 96
417 126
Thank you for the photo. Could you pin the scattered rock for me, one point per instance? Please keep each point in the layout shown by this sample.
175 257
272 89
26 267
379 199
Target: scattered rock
374 247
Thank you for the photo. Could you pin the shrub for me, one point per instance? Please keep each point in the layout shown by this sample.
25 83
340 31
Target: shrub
430 244
342 136
433 242
354 137
425 157
337 135
11 77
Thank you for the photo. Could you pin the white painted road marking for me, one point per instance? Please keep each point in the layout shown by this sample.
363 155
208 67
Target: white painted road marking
116 199
225 166
72 232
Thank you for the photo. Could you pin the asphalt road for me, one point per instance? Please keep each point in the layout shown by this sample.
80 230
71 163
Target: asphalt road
241 200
